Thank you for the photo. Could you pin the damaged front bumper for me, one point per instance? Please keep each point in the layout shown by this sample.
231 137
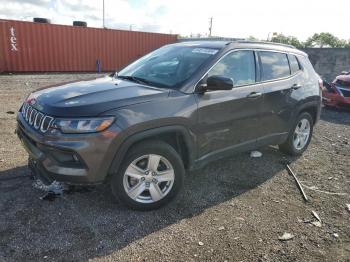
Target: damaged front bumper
73 159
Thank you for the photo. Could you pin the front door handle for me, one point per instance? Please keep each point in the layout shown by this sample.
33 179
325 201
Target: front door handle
254 95
295 86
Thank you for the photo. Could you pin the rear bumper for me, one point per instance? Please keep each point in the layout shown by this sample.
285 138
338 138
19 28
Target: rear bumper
74 159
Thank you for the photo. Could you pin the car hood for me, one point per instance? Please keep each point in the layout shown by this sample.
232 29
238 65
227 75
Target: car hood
92 97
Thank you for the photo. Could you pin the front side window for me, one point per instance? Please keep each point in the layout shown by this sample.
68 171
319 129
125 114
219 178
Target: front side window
238 65
294 64
168 66
274 65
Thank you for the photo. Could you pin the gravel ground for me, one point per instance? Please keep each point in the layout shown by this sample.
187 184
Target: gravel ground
234 209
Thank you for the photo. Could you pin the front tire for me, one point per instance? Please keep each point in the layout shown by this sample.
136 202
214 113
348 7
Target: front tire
300 135
151 176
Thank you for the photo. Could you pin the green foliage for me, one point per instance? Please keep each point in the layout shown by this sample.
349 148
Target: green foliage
252 38
326 40
317 40
320 40
289 40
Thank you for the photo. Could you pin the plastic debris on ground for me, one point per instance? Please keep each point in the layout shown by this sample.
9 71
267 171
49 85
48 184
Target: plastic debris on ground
316 223
316 215
255 154
56 189
286 237
52 191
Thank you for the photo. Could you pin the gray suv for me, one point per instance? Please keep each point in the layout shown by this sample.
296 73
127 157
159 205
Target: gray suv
175 109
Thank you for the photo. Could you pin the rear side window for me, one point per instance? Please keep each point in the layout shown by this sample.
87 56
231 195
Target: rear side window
238 65
274 65
294 64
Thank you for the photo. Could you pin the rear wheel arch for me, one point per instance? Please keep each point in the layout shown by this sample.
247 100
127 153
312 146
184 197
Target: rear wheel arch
313 108
176 136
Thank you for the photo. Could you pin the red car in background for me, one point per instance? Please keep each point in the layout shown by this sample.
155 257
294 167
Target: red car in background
337 93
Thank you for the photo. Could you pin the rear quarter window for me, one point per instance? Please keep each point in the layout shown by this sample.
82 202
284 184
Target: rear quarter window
294 64
274 65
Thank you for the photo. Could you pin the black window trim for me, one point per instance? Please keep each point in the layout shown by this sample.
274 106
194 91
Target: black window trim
290 68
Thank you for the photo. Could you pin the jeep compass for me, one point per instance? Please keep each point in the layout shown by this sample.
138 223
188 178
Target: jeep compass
175 109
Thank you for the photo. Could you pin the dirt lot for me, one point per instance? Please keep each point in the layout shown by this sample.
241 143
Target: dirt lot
232 210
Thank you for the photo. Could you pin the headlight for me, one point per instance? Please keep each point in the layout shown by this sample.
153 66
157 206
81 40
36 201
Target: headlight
83 125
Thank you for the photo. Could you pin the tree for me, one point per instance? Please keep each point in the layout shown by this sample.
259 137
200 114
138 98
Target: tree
253 38
325 40
289 40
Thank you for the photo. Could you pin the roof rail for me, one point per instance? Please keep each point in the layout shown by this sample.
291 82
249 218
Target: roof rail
262 42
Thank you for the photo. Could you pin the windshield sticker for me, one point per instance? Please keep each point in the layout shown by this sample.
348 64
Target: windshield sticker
205 51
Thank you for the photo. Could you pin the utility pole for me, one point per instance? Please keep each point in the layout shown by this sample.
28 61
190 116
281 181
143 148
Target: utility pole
210 25
103 13
268 37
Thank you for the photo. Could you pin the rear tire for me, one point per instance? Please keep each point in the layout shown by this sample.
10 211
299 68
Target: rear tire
299 136
151 176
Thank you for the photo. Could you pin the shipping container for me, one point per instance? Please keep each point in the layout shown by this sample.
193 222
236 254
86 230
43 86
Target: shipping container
38 47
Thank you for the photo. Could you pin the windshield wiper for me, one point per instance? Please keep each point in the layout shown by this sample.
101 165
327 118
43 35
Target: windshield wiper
135 79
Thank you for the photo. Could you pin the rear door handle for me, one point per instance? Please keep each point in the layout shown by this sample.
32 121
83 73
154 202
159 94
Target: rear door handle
254 95
295 86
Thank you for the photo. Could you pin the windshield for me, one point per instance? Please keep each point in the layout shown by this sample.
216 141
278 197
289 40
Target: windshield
168 66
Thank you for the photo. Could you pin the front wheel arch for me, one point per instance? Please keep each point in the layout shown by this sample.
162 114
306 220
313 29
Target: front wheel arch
161 133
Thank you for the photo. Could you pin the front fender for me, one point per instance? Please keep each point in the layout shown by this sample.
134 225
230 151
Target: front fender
128 140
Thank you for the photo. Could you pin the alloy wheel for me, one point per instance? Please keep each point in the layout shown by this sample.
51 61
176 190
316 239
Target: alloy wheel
301 134
148 178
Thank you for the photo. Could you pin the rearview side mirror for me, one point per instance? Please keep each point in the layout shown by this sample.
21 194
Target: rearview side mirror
216 82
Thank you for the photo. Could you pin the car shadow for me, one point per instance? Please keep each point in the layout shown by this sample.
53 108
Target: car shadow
335 115
81 226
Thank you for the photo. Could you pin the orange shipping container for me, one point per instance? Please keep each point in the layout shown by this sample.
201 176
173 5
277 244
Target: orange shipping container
36 47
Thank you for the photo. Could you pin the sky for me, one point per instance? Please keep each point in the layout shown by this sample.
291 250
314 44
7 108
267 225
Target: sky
235 18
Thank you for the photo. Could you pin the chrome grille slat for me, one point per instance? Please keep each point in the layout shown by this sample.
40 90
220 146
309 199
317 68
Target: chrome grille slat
38 119
29 109
35 118
44 127
32 116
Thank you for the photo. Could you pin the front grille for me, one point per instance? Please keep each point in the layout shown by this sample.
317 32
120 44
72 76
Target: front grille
35 118
345 92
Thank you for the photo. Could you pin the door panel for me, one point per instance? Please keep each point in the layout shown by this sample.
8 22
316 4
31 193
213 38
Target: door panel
277 110
279 101
228 120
